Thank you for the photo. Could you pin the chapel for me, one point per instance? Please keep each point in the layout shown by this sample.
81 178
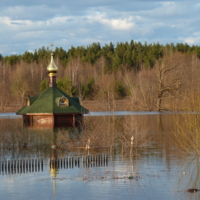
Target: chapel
52 108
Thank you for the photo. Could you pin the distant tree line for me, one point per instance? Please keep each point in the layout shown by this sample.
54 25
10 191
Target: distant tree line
133 55
150 76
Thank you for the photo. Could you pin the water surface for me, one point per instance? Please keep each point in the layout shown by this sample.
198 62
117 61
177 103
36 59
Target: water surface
157 170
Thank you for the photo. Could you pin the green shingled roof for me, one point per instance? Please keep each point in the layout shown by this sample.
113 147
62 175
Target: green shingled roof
47 102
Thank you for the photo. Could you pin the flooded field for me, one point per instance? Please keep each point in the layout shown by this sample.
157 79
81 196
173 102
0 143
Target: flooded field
46 164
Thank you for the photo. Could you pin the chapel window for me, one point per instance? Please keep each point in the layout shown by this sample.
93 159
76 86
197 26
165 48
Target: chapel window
63 101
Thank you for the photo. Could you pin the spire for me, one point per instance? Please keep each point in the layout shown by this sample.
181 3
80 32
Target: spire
52 71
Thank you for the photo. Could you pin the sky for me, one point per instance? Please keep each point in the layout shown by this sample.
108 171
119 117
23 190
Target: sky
29 25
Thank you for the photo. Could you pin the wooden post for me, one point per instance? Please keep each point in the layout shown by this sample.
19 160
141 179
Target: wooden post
73 120
53 121
131 145
31 120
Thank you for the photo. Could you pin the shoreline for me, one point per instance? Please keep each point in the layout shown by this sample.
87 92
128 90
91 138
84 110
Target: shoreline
116 105
95 106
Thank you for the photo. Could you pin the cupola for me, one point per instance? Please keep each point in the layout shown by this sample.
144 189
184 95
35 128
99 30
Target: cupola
52 72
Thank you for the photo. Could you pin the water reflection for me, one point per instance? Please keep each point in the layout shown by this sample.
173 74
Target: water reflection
8 167
150 168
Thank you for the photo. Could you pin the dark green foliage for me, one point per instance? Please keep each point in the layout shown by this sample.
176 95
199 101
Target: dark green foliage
43 85
87 89
66 86
108 48
43 52
12 60
107 52
120 90
1 57
28 57
183 47
196 49
92 53
133 55
62 55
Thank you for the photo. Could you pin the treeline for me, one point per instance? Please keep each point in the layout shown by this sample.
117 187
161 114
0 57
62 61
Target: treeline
133 55
149 76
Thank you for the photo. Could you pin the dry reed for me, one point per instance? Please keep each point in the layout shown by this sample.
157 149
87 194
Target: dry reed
187 128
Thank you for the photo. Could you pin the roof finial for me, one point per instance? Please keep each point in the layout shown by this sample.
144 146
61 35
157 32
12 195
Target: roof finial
52 47
52 70
52 66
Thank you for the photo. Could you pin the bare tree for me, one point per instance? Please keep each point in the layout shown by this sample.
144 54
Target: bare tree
21 83
141 89
167 78
73 69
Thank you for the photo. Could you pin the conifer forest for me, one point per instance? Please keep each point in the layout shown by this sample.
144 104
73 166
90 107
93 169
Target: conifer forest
149 77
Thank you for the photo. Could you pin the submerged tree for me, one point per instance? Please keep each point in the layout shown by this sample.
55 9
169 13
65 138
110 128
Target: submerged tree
167 78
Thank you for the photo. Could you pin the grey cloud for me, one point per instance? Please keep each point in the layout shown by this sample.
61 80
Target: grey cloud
70 3
16 23
29 25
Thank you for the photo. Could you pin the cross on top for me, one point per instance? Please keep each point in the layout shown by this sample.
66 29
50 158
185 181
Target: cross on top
52 45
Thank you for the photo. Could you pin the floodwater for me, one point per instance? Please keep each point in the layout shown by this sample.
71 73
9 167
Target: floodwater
153 169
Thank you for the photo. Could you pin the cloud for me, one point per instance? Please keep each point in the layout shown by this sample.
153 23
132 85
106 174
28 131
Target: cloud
193 39
116 24
33 24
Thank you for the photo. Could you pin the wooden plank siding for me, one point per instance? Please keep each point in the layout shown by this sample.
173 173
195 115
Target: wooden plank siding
52 121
